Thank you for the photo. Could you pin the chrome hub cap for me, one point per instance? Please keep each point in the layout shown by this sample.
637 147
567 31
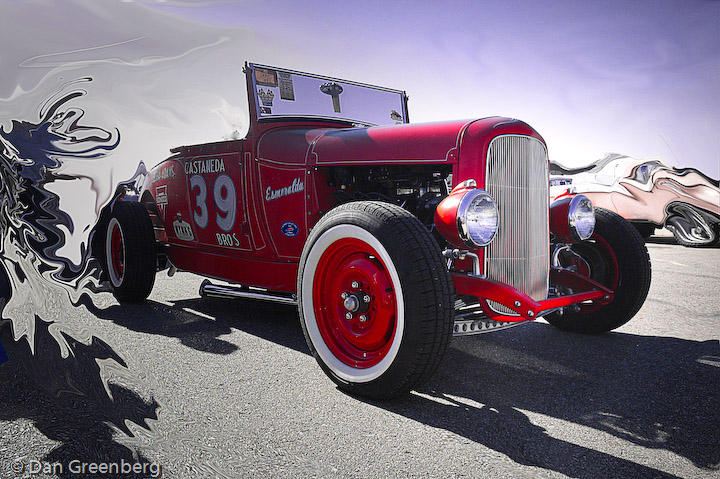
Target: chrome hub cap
351 303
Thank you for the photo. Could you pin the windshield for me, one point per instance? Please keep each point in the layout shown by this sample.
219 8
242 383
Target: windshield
283 93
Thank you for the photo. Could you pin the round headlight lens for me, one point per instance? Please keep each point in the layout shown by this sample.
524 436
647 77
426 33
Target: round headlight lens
581 217
477 217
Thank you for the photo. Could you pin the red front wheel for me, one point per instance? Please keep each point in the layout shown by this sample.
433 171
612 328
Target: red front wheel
375 299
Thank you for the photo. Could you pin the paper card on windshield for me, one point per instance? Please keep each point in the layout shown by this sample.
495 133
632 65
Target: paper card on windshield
286 86
266 77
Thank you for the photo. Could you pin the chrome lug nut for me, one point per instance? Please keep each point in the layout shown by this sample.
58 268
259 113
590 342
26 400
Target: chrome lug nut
348 315
363 318
355 284
366 298
344 295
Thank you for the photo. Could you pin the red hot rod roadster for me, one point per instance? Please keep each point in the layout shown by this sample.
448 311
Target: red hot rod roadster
390 237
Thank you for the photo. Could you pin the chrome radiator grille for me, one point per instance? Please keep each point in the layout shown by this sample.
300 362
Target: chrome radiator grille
517 177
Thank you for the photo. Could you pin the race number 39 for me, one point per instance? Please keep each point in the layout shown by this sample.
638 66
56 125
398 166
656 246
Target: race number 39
224 197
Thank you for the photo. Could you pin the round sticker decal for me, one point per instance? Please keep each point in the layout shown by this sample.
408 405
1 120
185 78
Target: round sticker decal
289 229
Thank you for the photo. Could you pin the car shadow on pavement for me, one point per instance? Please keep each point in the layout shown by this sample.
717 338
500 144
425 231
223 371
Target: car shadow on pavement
661 240
274 322
67 401
176 321
653 392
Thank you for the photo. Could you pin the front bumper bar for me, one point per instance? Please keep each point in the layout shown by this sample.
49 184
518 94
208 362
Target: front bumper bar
527 309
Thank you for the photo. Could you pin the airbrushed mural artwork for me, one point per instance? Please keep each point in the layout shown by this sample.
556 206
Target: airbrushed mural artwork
650 194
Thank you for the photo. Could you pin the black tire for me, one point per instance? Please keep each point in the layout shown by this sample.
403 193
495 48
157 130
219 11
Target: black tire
397 238
633 269
132 273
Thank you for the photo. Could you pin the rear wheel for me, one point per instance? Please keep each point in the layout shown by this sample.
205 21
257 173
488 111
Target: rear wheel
615 256
375 299
130 252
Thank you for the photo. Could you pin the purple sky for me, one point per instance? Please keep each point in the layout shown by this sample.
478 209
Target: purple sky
639 78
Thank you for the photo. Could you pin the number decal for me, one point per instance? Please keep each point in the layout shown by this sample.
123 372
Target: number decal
225 202
197 181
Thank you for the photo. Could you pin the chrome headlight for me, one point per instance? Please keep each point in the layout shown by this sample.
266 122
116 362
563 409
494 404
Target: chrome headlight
581 216
477 218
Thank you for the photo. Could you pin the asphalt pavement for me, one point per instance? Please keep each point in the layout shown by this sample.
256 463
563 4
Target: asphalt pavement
227 388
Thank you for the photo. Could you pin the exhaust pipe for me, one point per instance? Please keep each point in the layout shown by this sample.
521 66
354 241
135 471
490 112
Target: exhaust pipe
207 289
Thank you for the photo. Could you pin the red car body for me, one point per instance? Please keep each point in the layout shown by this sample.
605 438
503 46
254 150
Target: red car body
273 156
278 154
300 210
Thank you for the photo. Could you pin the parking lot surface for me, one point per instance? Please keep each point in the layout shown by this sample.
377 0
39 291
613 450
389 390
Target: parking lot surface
227 388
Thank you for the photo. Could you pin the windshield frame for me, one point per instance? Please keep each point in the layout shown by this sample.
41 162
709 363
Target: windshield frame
265 117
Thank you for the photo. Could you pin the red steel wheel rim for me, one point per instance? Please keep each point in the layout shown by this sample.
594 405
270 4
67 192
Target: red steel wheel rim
117 251
357 343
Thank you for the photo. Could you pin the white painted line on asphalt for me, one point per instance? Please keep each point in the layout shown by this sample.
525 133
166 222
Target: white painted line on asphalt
436 399
466 401
710 361
202 315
